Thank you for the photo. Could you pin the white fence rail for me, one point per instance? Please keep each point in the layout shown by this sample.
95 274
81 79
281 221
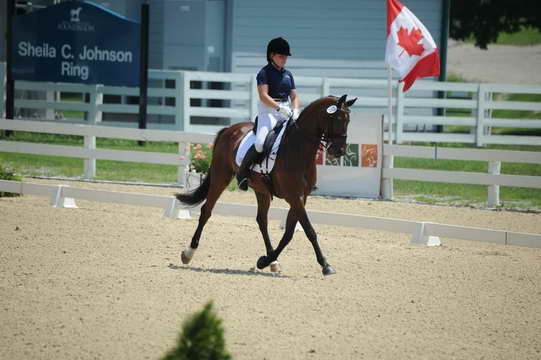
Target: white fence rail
494 179
189 101
90 153
421 232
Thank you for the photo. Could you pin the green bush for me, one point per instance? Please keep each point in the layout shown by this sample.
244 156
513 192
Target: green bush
201 156
202 338
6 174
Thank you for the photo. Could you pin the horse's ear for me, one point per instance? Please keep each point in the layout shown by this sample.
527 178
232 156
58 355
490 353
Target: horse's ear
341 100
350 102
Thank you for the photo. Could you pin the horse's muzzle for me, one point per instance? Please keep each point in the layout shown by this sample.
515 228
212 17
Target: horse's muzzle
336 150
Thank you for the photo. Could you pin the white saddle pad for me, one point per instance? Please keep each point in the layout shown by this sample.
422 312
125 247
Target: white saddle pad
267 164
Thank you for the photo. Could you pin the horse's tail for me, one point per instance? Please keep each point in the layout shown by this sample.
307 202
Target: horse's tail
200 193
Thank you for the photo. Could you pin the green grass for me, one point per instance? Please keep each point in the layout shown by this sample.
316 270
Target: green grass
525 37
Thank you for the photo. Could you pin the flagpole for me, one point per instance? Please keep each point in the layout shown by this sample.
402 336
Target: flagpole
388 161
390 102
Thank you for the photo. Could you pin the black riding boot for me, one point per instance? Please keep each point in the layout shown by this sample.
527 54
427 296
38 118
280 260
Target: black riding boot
244 170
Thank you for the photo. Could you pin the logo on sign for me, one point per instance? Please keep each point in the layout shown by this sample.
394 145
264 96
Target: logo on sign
75 14
74 23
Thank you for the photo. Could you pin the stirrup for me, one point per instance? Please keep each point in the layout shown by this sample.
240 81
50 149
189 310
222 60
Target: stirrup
243 184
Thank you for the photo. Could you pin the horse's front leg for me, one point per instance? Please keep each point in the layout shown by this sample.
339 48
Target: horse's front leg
302 216
291 221
263 205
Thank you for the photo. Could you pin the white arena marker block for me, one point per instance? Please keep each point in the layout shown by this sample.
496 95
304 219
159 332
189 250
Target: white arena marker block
59 201
175 212
419 236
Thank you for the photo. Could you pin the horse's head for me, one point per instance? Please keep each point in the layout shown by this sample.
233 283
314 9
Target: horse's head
334 125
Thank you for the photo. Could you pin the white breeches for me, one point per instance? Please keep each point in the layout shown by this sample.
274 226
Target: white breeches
266 120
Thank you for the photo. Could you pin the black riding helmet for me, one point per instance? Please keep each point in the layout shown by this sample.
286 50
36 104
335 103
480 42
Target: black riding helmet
279 46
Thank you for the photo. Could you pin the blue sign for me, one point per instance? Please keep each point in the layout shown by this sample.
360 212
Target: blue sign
76 42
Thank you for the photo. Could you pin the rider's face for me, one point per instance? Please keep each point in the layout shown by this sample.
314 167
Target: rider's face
279 59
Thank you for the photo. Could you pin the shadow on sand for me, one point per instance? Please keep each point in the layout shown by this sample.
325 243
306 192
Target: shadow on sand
228 271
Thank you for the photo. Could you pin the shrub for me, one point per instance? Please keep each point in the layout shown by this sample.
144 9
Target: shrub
201 157
201 338
6 174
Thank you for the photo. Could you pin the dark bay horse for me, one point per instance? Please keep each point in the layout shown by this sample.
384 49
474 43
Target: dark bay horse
323 122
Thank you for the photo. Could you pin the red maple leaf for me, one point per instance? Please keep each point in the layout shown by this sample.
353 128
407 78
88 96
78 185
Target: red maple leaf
410 41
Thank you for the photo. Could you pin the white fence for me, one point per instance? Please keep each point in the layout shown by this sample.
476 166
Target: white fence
90 153
421 232
174 97
494 179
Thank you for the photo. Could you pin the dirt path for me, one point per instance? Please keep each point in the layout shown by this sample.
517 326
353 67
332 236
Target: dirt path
104 282
499 64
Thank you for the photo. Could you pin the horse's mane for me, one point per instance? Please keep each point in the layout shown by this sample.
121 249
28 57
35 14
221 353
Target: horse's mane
294 139
314 103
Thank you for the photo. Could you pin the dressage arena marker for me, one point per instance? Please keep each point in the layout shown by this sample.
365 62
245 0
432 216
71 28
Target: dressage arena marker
422 232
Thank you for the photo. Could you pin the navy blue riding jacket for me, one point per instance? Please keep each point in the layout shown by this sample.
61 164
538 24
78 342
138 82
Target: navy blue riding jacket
280 82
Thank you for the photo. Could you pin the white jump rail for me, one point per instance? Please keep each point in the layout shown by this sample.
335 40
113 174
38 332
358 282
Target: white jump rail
494 179
422 232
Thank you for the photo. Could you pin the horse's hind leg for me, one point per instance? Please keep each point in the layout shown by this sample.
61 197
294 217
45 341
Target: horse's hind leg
219 181
263 205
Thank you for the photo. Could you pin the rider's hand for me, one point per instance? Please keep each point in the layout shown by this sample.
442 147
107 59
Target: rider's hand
285 110
296 113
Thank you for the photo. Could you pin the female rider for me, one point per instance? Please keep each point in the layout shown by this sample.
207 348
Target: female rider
276 87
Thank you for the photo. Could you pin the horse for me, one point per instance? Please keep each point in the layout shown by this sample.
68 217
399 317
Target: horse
323 123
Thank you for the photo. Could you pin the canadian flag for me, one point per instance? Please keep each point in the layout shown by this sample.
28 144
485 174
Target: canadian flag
410 49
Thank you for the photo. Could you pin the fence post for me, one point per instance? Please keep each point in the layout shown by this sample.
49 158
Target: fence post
325 87
399 117
186 101
50 96
480 128
94 118
494 168
387 183
184 169
253 98
179 101
2 92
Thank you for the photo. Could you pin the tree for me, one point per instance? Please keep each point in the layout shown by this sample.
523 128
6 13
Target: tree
202 338
486 19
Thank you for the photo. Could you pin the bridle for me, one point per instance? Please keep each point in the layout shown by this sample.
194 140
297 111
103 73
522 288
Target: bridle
324 141
329 140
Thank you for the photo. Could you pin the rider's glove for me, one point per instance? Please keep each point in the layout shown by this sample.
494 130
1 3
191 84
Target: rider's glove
296 113
285 110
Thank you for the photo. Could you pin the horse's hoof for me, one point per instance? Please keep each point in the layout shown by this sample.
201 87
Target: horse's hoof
263 262
185 259
328 270
275 267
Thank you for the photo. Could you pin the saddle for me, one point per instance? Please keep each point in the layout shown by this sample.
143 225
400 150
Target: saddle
269 140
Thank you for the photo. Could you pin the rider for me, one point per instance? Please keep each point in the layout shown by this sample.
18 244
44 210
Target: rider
276 87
